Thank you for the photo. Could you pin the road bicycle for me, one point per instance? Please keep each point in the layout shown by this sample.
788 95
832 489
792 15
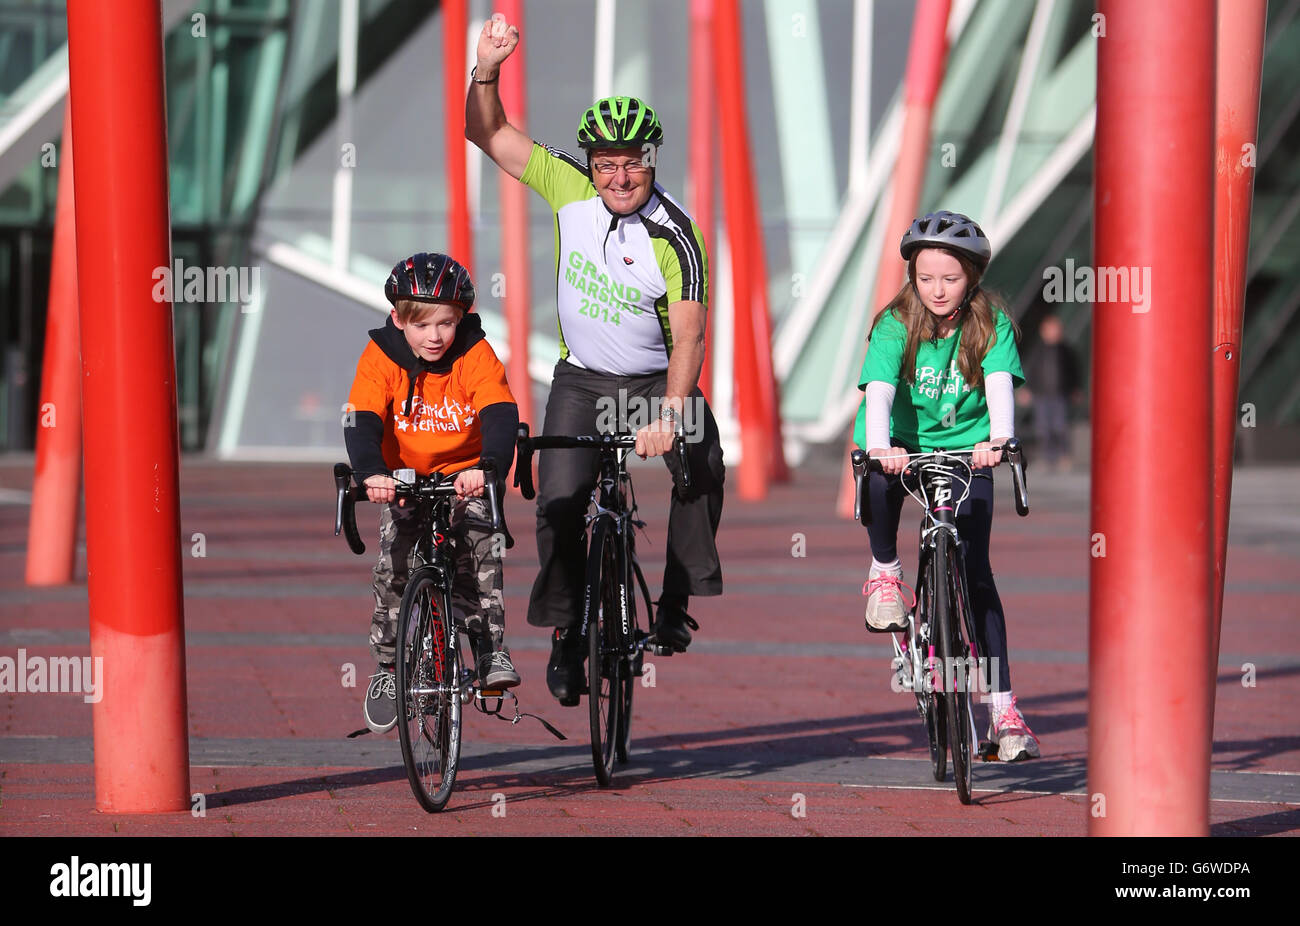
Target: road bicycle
610 628
433 680
936 657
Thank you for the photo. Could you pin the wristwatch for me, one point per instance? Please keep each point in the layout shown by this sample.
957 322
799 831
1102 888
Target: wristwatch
669 414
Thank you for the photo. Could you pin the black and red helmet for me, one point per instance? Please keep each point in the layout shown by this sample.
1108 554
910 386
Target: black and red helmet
428 277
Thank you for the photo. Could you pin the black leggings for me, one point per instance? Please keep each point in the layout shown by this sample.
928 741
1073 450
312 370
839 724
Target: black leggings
974 525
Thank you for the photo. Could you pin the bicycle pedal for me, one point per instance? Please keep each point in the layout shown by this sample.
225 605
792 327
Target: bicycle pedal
987 751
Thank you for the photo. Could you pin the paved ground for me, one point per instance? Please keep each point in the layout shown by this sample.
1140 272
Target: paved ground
782 705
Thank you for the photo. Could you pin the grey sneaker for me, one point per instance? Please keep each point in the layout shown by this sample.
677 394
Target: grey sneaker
381 701
496 671
1014 738
885 609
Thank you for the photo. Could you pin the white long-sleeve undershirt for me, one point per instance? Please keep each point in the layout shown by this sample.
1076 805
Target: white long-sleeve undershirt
999 393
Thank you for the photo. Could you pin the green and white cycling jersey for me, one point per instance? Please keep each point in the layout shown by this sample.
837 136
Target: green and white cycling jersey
615 276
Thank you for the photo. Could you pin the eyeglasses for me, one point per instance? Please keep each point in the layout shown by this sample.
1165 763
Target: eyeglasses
633 168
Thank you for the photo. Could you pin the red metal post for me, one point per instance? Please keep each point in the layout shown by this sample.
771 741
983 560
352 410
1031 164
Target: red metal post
56 488
761 316
926 58
1240 55
701 154
755 439
514 226
1151 606
133 540
925 62
455 24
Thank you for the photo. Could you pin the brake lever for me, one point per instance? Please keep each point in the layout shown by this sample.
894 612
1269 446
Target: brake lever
861 512
345 514
679 443
490 483
524 463
1015 457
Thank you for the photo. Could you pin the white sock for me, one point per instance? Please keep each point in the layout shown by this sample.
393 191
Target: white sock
879 569
1001 700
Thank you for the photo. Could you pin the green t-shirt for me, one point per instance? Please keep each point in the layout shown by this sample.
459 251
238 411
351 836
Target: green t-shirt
940 410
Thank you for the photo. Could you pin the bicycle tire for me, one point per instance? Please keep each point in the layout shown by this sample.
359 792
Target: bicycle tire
966 640
951 653
603 656
930 698
429 724
633 574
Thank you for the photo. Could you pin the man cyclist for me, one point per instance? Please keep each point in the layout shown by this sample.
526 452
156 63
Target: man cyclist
631 285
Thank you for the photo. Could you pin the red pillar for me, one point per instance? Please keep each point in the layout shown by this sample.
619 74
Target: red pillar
514 226
132 506
761 317
1240 54
755 439
925 62
454 29
56 488
926 58
1150 602
701 154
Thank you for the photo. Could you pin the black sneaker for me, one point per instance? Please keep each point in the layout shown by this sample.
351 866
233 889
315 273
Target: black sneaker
496 671
381 701
564 672
671 628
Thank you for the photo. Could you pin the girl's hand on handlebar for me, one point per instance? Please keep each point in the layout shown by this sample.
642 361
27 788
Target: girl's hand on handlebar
469 484
893 460
984 455
380 488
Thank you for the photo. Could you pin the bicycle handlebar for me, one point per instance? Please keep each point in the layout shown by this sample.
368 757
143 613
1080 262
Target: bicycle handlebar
409 485
862 464
526 445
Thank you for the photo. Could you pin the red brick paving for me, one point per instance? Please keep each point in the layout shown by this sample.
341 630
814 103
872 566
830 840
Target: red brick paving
750 712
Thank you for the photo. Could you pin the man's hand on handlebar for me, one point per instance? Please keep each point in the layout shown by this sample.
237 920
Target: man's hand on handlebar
893 460
655 439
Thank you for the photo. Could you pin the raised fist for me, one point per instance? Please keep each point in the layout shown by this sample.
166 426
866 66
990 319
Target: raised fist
495 43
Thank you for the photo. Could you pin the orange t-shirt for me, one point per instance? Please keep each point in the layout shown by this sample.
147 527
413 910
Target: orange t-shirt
440 431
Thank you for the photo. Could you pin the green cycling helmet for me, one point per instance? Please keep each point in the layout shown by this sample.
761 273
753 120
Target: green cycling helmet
619 122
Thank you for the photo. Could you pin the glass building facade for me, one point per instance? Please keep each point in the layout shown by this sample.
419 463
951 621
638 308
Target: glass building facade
321 183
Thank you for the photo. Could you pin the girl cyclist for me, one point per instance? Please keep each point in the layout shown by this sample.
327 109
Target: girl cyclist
940 372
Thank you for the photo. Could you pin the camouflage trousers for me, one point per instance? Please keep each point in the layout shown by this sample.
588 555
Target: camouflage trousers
476 592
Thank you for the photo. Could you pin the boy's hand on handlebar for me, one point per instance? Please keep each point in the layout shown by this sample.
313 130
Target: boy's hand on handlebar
984 455
469 484
380 488
893 460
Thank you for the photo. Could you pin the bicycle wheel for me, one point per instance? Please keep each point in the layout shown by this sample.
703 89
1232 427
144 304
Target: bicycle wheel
633 574
952 655
930 697
428 709
604 656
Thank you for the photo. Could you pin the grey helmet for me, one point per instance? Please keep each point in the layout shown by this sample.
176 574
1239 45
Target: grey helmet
950 230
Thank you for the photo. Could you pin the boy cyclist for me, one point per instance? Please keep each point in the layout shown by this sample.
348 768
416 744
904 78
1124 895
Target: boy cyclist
940 373
431 395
